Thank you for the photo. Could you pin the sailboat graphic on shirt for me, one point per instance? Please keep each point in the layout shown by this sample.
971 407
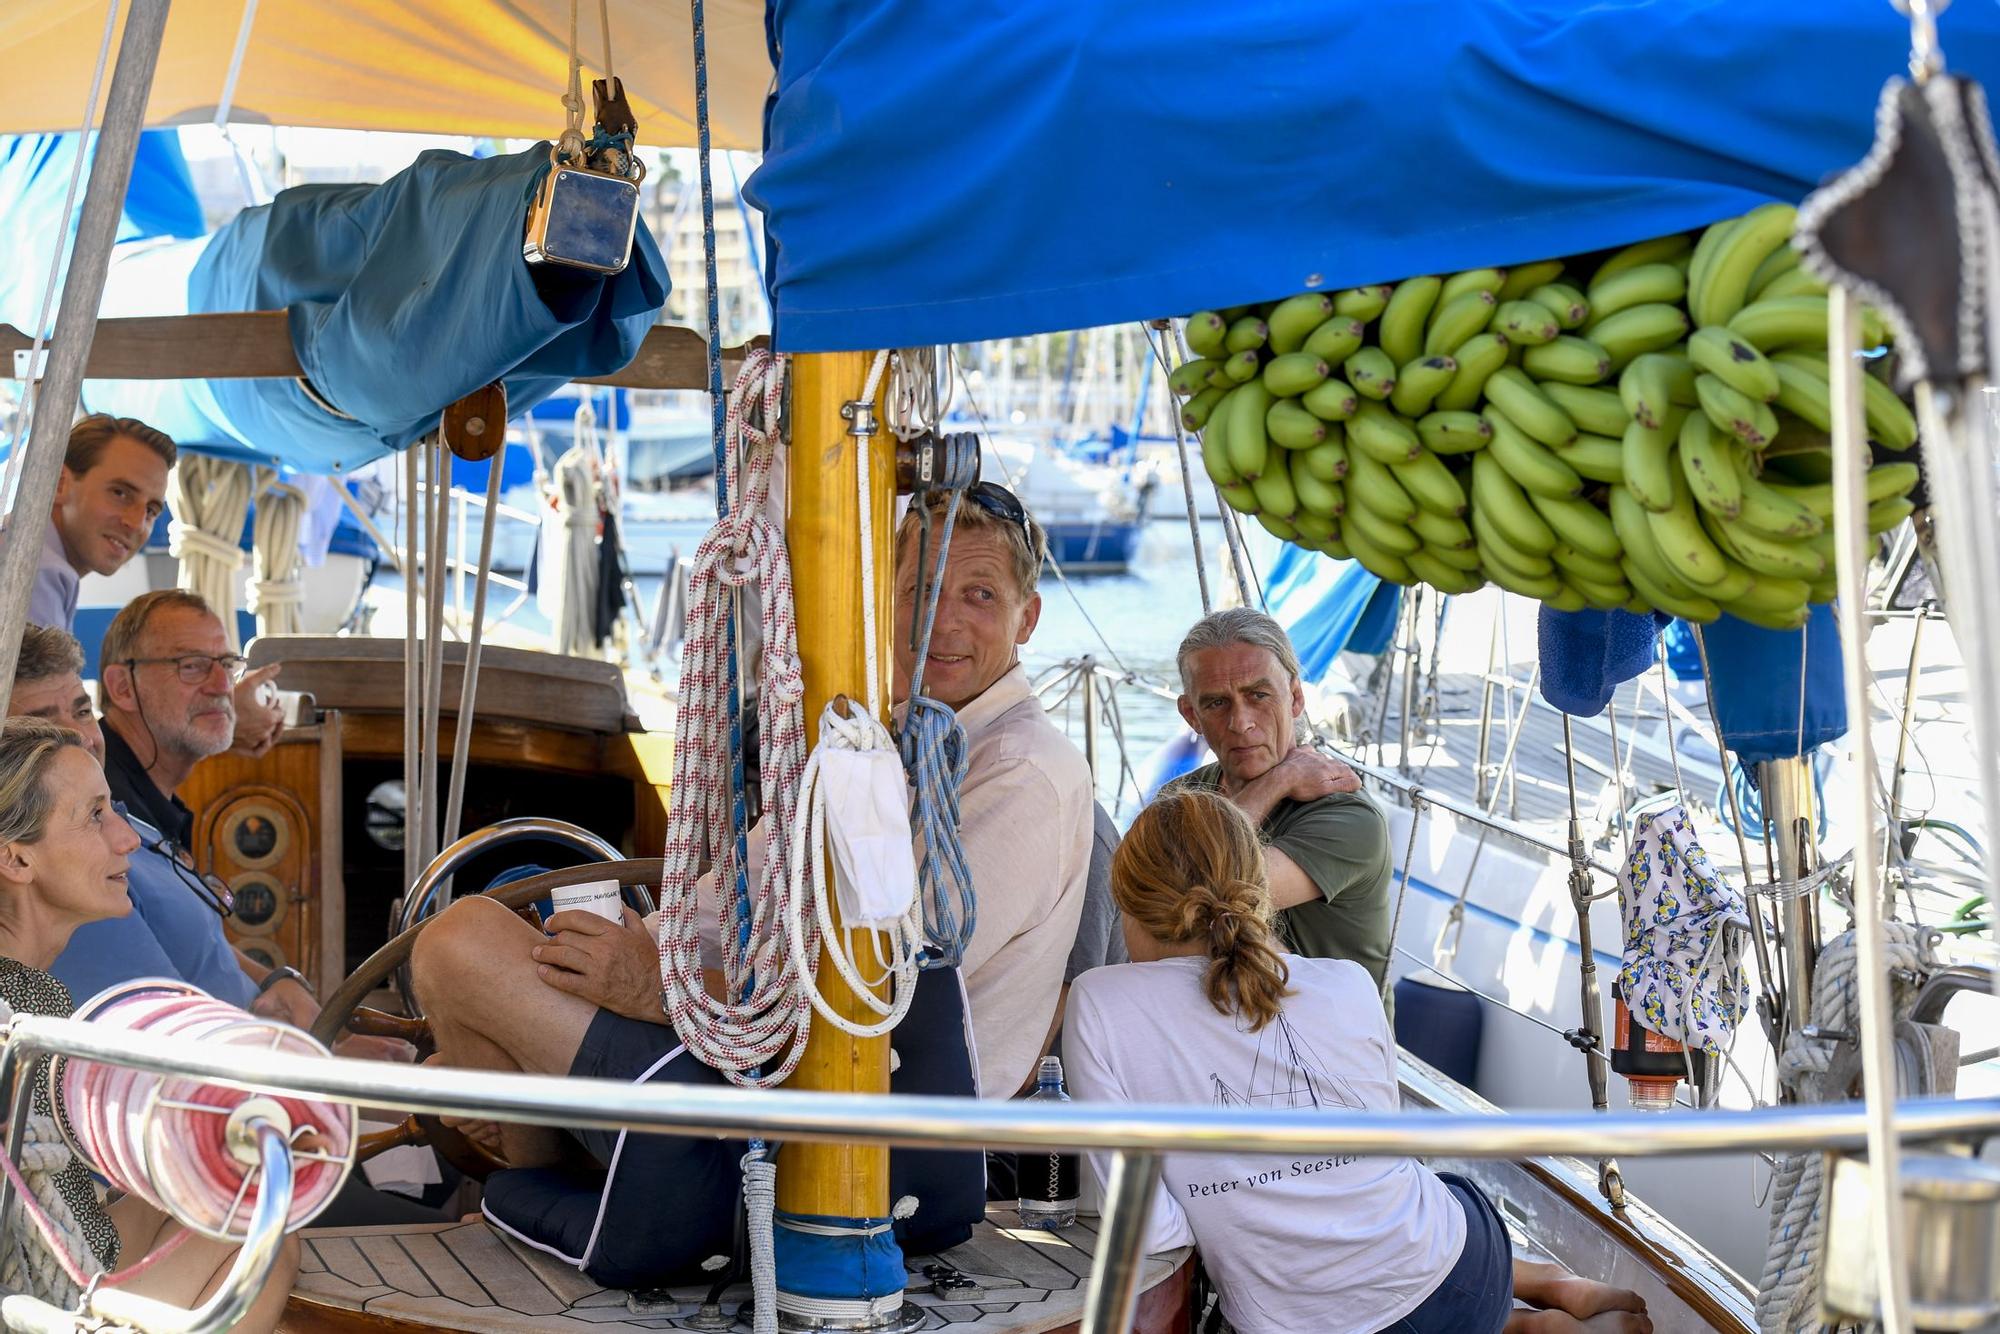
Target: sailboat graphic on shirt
1286 1072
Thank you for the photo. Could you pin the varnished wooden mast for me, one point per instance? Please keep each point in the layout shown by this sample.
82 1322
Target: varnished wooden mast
824 534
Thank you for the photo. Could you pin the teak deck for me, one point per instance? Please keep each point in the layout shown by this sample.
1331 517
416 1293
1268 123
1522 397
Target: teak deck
466 1276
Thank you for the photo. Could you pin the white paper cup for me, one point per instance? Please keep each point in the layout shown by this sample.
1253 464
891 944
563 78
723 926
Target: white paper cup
598 896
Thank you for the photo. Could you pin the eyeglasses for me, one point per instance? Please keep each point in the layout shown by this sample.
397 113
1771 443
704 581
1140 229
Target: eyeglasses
206 886
997 501
194 668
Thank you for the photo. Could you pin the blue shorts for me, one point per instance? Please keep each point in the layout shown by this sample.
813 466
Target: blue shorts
610 1222
1477 1296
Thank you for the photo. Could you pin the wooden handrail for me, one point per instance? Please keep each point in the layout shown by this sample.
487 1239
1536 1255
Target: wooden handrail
257 344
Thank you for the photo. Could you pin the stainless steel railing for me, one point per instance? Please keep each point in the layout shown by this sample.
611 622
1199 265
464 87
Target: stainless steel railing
1136 1135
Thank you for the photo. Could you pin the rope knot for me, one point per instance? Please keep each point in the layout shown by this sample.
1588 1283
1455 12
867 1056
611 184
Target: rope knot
185 541
788 685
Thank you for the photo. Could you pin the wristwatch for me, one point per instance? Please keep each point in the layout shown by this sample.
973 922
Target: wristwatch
282 973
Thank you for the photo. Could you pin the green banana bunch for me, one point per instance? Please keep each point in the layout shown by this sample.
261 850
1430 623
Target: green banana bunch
1647 431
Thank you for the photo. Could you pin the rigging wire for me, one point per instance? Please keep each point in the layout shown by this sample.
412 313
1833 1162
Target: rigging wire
986 429
1166 365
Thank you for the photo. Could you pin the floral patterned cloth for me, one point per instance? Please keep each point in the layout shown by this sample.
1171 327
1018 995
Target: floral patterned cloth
1683 974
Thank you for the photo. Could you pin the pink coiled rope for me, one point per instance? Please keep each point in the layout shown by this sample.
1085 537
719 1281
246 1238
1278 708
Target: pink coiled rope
167 1139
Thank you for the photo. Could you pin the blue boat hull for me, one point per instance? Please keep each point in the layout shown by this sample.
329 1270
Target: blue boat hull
1089 546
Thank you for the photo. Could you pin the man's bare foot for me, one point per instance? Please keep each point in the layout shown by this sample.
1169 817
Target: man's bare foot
1561 1322
1555 1288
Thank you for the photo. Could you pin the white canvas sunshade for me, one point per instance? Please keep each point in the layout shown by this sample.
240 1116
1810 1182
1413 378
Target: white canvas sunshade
459 67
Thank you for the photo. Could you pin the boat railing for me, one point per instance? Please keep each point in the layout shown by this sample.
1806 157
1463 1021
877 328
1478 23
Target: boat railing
1408 790
1134 1135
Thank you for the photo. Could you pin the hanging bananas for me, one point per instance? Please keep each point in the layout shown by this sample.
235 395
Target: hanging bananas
1644 429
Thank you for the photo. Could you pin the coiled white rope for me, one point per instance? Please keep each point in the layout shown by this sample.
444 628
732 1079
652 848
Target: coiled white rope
1788 1294
916 401
767 1011
25 1264
812 878
210 500
276 593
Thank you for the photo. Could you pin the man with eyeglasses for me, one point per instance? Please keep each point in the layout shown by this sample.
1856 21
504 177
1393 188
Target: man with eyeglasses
167 679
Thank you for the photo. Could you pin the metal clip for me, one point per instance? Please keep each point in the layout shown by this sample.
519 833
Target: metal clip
861 413
1926 57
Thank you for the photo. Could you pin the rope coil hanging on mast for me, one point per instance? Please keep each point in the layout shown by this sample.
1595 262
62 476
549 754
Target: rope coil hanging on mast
771 1014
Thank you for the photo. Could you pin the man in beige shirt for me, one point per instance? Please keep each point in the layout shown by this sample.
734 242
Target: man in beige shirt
501 995
1025 810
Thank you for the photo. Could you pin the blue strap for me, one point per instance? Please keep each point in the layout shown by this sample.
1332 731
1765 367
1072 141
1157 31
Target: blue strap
719 426
934 758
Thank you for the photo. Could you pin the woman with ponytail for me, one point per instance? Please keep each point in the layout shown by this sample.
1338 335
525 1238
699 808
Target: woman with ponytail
1212 1010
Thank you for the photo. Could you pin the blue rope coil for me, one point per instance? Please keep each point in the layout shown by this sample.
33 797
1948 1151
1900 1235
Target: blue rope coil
934 759
1750 797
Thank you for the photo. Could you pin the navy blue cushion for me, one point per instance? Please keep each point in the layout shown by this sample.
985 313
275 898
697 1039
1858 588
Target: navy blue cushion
935 1057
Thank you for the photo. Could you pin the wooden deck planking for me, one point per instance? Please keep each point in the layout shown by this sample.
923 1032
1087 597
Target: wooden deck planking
464 1276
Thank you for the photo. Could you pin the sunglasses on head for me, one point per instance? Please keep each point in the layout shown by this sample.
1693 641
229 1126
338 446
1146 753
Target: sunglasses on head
997 501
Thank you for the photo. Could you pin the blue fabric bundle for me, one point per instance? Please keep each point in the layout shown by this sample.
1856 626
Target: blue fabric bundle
1585 655
403 297
1759 704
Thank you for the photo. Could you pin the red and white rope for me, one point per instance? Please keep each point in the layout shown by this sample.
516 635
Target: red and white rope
166 1138
762 1026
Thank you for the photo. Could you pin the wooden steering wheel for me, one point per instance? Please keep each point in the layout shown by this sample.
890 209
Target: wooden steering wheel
344 1010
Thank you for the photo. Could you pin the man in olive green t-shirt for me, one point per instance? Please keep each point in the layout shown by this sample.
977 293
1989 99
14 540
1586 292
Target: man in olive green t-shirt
1326 843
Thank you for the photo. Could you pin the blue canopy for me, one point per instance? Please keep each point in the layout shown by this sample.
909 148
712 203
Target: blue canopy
952 173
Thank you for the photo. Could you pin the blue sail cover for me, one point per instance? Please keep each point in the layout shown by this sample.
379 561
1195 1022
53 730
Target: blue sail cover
403 297
942 172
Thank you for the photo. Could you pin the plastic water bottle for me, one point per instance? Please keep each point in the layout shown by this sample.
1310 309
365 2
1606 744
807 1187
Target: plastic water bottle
1048 1180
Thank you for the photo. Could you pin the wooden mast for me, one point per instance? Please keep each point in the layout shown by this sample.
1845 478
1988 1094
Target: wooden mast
824 535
